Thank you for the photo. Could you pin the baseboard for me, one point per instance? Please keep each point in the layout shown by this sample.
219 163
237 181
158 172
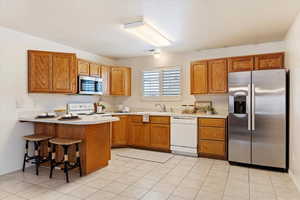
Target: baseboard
294 179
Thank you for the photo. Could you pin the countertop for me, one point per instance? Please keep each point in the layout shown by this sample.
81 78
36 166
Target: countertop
223 116
84 120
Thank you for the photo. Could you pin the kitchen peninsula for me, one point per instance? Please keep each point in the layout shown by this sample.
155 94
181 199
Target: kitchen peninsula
94 131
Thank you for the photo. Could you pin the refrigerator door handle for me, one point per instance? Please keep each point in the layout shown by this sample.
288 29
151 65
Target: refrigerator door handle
253 107
249 107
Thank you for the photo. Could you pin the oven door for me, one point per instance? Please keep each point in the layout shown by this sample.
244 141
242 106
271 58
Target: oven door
87 85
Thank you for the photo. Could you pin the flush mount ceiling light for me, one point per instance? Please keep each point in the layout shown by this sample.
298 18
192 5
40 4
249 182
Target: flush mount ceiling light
147 33
155 52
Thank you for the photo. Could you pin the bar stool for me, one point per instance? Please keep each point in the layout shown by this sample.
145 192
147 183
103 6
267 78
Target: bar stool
37 158
65 143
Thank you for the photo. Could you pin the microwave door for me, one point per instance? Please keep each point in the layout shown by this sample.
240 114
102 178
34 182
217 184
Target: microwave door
87 85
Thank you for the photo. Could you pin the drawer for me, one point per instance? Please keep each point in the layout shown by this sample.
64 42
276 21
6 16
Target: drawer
212 147
159 120
212 133
136 118
211 122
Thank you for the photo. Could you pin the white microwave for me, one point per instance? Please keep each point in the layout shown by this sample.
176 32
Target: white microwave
90 85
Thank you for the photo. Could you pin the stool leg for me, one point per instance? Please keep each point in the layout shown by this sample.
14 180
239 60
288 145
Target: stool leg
37 159
25 155
52 162
78 159
66 162
49 151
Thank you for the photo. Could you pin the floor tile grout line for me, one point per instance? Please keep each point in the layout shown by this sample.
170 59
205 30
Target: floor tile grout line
213 162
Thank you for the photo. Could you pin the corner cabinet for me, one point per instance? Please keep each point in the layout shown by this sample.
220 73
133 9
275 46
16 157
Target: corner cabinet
120 81
119 131
52 72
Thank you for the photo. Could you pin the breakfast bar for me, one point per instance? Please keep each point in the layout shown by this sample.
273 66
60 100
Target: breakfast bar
93 131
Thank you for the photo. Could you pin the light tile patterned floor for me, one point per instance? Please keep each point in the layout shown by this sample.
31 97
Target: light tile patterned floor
181 178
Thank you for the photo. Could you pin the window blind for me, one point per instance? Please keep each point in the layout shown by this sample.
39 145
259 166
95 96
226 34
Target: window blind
165 82
171 82
151 82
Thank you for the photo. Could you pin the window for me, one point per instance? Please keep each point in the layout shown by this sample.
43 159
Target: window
165 82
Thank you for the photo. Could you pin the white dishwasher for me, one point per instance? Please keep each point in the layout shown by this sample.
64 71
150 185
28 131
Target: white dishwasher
184 135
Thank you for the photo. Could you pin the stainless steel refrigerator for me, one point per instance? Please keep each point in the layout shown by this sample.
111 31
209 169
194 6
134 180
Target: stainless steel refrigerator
258 115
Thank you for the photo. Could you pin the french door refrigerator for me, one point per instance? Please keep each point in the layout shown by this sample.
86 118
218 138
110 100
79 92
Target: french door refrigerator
258 115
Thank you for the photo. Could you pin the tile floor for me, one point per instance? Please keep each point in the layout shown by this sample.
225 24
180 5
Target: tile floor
181 178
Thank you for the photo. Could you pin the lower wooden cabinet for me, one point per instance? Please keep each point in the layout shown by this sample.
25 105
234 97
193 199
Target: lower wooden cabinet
139 134
119 132
216 148
160 136
212 137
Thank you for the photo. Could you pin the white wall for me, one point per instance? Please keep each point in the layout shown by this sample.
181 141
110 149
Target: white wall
14 97
293 63
184 59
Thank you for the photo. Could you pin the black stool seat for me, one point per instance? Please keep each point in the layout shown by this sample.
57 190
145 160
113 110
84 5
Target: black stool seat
65 143
37 159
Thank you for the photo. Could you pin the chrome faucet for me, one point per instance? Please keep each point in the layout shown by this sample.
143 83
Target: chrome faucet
163 107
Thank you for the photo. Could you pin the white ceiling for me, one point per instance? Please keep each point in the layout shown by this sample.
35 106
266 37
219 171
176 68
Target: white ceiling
95 25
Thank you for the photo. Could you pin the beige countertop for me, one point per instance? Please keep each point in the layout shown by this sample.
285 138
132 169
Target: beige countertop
84 120
223 116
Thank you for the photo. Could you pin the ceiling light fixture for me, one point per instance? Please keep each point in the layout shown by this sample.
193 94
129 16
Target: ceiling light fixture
147 33
155 53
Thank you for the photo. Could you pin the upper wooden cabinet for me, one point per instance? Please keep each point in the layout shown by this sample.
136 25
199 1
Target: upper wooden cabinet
269 61
52 72
217 76
199 83
120 81
105 75
95 70
209 76
83 67
242 63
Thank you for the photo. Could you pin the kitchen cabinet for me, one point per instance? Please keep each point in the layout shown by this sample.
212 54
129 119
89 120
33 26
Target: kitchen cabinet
212 138
209 77
105 75
139 134
241 63
154 134
83 67
199 82
269 61
64 73
120 81
119 131
95 70
217 76
160 136
51 72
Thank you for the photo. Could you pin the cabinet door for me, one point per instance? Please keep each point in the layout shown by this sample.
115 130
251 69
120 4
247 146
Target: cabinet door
95 70
105 75
160 136
120 84
39 71
217 76
119 131
139 134
243 63
269 61
216 148
64 73
83 67
199 78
